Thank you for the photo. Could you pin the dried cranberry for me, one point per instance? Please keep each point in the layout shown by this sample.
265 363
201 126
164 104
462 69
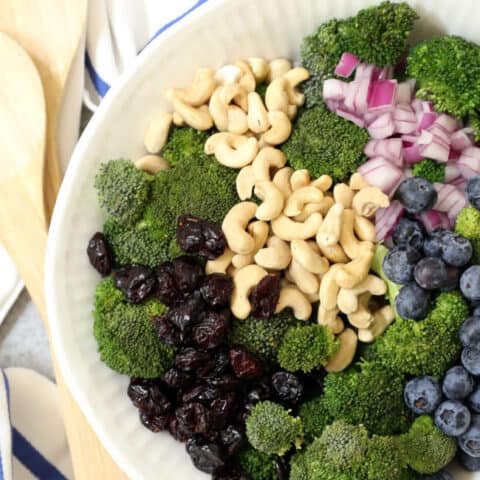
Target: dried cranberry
193 417
264 296
155 423
202 393
226 382
231 439
177 430
167 290
200 237
190 359
216 289
186 313
245 365
207 457
259 392
288 387
167 332
177 379
187 274
99 254
135 281
229 472
139 392
212 330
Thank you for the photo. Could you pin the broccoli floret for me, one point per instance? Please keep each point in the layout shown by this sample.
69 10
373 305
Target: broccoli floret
468 225
298 466
262 337
306 347
324 143
371 395
427 347
425 448
122 190
383 460
376 35
271 429
184 143
430 170
257 465
447 71
315 417
125 335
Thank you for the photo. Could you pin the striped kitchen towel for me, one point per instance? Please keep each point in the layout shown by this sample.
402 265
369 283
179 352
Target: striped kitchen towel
117 30
33 444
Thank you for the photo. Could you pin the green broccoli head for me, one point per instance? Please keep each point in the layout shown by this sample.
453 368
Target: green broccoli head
383 460
125 335
427 347
425 448
315 417
122 190
306 348
371 395
271 429
430 170
468 225
298 466
257 465
447 70
184 143
376 35
324 143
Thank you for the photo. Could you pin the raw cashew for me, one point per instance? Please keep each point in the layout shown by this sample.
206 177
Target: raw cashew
296 76
310 260
323 183
231 271
291 297
381 320
245 182
306 281
347 299
292 111
330 319
352 273
236 156
329 289
234 92
357 182
364 229
334 253
152 164
286 229
220 264
218 110
258 121
227 74
321 207
282 180
280 129
368 200
230 138
278 68
237 120
177 119
344 357
350 244
329 232
259 231
199 92
299 179
299 198
266 159
362 318
157 132
272 197
276 96
276 256
343 194
244 280
197 118
234 227
247 80
260 68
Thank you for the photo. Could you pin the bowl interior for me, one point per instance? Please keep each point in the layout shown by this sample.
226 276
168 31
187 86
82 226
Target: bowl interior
219 32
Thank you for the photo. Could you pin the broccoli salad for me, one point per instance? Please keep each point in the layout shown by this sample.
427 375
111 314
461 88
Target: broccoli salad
291 272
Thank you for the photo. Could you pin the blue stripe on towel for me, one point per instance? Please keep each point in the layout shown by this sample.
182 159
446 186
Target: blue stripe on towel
101 86
32 459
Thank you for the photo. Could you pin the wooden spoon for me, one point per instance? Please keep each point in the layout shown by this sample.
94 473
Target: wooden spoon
50 31
23 227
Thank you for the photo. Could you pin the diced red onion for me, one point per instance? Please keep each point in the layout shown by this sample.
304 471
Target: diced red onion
461 139
431 146
453 156
364 70
433 219
356 119
448 196
382 94
403 127
426 119
449 123
440 134
460 183
334 89
469 162
382 127
459 205
427 106
412 154
381 173
347 65
417 105
405 91
386 219
452 172
390 148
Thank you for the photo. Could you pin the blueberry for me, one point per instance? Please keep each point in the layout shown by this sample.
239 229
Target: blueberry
470 332
471 360
416 194
453 278
452 418
473 191
473 400
469 442
469 463
408 233
470 283
422 395
457 383
431 273
457 250
412 302
432 246
399 263
476 309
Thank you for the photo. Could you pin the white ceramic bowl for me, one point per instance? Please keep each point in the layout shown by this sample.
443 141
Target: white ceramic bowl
218 32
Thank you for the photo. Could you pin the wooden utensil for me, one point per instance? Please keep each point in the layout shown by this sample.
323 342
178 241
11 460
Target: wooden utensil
50 31
23 226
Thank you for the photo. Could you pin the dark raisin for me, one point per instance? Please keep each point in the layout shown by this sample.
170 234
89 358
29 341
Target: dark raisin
155 423
200 237
224 406
231 439
139 392
160 401
207 457
229 472
202 393
175 378
216 289
168 333
190 359
193 417
259 392
177 430
222 362
206 370
188 274
288 387
99 254
186 313
135 281
212 330
245 365
226 382
264 296
167 290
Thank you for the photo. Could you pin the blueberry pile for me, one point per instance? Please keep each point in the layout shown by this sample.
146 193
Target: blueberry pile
424 263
